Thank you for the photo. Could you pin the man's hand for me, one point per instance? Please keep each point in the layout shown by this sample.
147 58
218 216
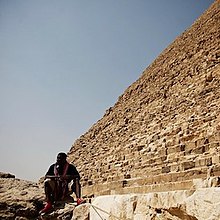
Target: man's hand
67 178
51 177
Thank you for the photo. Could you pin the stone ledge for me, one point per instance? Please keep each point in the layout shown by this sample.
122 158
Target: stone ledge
161 182
182 204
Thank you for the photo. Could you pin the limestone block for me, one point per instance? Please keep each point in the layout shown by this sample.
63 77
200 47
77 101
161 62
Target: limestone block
199 183
165 169
162 151
204 204
190 145
216 159
200 141
173 149
176 205
200 162
172 157
216 170
187 165
199 150
174 167
208 161
166 178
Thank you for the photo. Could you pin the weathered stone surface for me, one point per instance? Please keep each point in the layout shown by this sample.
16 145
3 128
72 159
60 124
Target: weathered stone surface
81 212
19 199
197 204
62 211
22 200
164 130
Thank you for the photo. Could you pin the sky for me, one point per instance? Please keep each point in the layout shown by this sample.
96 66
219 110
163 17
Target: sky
64 63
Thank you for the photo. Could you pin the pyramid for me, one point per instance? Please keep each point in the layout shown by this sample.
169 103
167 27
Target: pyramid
163 133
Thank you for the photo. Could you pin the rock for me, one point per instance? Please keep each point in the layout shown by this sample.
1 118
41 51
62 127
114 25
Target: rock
22 200
19 199
68 211
81 212
6 175
173 205
62 211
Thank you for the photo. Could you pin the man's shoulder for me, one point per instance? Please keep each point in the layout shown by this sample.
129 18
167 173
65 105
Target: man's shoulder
51 170
52 165
73 171
72 166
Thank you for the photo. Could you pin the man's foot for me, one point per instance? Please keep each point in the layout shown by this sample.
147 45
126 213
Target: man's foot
46 208
80 201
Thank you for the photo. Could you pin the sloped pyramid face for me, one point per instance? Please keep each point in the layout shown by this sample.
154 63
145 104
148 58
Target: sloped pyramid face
164 131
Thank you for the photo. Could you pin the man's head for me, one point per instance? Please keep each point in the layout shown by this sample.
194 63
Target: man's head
61 158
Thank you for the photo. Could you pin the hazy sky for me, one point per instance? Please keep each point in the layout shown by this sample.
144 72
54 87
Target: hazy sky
64 62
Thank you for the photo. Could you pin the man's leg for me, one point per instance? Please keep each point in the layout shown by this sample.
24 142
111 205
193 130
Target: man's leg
49 188
76 188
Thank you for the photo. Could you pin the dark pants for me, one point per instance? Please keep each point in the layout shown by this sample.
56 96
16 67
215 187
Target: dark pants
56 190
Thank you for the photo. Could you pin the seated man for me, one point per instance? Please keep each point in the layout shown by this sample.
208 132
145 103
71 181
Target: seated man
57 181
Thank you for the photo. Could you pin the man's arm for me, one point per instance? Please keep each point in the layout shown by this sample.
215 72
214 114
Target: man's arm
50 172
78 189
73 173
77 186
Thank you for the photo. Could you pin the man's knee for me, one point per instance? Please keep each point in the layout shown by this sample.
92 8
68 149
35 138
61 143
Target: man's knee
49 183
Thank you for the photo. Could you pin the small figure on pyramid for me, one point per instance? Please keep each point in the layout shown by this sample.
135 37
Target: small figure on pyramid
57 180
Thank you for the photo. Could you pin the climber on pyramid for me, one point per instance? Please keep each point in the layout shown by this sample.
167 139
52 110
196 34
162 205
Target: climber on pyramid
57 181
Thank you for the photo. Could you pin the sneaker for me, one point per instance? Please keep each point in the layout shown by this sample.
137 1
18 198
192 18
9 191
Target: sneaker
80 201
46 208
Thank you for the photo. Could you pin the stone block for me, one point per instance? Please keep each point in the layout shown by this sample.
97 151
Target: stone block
190 145
165 169
214 145
166 178
217 136
182 185
162 151
216 159
201 141
158 161
199 150
148 180
172 158
186 204
187 138
187 165
156 179
208 161
172 149
216 170
174 167
200 162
